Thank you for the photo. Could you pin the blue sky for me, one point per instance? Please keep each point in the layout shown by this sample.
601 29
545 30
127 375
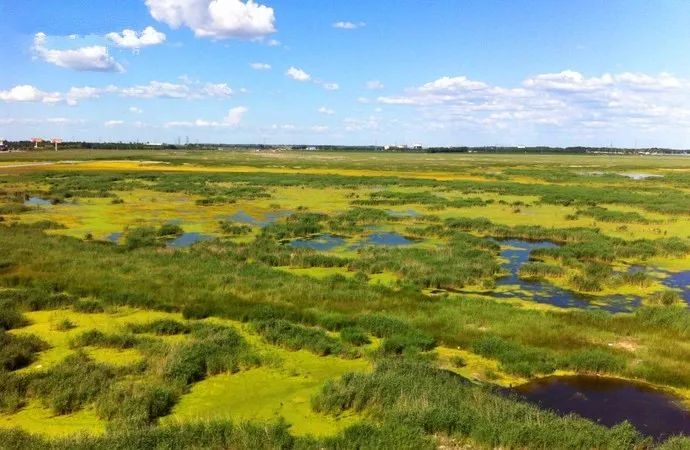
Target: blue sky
436 72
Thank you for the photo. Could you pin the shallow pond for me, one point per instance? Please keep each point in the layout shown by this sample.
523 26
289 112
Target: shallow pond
406 213
114 237
188 239
321 242
610 401
681 282
268 218
517 253
388 238
37 201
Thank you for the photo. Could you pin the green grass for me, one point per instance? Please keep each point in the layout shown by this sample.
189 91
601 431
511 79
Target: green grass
247 328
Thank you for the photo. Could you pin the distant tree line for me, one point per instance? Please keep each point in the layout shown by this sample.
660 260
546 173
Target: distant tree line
28 145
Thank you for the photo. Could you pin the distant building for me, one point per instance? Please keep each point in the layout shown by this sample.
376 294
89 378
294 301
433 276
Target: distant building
312 148
417 147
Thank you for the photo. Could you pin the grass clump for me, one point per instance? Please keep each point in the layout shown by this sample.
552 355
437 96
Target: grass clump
212 349
95 338
667 297
162 327
73 383
17 352
136 404
442 403
354 336
88 306
234 229
295 337
169 230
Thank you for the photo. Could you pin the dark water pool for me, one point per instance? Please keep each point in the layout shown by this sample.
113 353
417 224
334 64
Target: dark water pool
188 239
610 401
517 253
321 242
37 201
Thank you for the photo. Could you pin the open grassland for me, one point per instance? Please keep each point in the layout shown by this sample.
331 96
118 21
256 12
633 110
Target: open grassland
333 300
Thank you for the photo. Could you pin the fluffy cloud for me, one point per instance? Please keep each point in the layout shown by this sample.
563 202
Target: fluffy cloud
113 123
159 89
132 39
343 25
22 93
155 89
374 85
327 111
567 100
232 119
135 110
298 74
260 66
91 58
216 19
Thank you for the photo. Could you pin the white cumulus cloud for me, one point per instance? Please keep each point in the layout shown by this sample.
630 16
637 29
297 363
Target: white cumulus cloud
327 111
113 123
216 19
232 119
374 85
260 66
298 74
346 25
132 39
91 58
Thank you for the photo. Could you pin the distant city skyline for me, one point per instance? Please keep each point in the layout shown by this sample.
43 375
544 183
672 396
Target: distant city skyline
441 73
